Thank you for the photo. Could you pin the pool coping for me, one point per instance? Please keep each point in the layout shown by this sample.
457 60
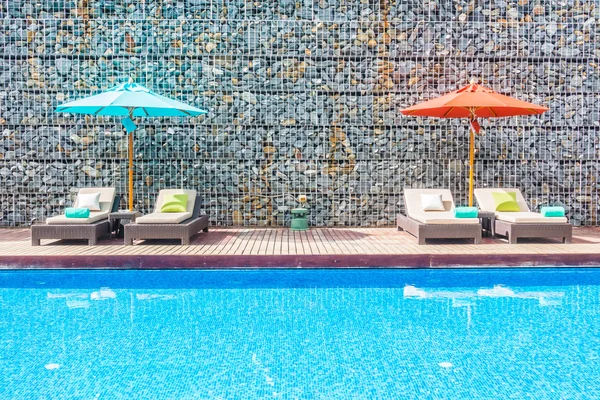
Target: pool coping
337 261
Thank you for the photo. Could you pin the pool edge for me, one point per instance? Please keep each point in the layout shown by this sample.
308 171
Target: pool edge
172 262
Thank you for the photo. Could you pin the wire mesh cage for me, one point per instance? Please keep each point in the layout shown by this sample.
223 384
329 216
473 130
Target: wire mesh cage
303 99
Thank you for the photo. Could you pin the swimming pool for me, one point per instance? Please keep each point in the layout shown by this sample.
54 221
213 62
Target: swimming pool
328 334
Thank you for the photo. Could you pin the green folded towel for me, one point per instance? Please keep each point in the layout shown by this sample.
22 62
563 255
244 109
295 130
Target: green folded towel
553 212
465 212
506 201
72 212
174 203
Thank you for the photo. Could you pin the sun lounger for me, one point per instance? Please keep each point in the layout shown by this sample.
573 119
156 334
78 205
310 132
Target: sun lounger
91 228
159 225
523 223
436 224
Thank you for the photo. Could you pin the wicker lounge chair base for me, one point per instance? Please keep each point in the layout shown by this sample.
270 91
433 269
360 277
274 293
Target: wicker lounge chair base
182 231
515 231
91 232
439 231
531 228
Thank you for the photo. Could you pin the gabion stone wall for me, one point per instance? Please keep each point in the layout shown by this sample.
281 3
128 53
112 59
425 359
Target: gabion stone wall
303 98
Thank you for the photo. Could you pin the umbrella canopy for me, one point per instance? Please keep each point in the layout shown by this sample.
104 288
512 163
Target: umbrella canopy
473 101
130 100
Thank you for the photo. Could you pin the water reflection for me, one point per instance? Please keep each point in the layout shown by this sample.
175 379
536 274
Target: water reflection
498 291
149 296
82 300
72 300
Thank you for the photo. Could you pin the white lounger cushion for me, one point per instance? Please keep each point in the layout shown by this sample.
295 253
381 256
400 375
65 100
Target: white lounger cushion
528 218
414 208
63 220
444 218
157 217
107 198
163 218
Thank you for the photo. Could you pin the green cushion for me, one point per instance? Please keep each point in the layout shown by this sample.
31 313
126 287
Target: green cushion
553 211
174 203
465 212
506 201
71 212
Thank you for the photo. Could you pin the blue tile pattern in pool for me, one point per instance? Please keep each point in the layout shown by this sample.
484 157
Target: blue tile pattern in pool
309 334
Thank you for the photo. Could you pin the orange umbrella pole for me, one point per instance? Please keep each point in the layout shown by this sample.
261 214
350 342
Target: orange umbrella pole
471 164
473 129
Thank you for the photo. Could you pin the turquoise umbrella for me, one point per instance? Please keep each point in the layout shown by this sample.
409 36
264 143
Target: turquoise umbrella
130 100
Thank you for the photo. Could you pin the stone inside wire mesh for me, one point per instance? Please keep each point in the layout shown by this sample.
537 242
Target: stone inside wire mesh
304 99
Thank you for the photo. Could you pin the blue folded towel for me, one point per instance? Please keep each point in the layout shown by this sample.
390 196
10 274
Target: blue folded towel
465 212
72 212
553 211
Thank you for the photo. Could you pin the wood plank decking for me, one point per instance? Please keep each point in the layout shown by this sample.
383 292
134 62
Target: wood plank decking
280 247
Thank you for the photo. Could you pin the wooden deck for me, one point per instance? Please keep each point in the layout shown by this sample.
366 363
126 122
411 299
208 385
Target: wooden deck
280 247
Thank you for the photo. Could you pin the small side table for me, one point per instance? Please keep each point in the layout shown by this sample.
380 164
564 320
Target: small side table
488 222
119 218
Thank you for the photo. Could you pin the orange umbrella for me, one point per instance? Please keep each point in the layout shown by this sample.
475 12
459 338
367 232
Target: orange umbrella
473 101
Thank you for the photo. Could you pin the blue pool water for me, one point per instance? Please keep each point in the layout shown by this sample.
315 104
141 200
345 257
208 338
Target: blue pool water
350 334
